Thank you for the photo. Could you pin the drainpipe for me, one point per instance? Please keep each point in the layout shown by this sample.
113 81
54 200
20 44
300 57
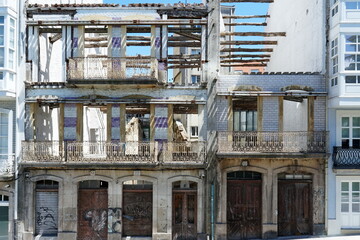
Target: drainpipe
212 212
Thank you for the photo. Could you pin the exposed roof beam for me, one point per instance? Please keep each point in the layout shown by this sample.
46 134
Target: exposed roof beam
184 44
254 1
261 34
243 65
184 66
247 50
248 42
56 37
119 22
245 61
245 56
244 17
246 24
184 56
189 35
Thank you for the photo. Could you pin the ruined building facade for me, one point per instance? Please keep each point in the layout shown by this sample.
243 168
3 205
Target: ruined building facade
137 125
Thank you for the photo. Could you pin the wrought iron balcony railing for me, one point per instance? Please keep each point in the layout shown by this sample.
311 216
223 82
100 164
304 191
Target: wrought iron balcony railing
272 142
112 69
7 164
346 157
112 152
184 152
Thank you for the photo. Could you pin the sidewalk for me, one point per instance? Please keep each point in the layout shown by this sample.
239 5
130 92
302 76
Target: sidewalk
351 237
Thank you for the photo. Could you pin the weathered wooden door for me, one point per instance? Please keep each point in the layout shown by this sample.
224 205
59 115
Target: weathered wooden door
92 214
244 209
137 212
184 215
294 208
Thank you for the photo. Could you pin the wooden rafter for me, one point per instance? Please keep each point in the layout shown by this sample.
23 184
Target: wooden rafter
254 1
184 44
244 65
183 66
184 62
189 35
246 56
244 17
56 37
248 42
247 50
261 34
246 24
184 56
245 61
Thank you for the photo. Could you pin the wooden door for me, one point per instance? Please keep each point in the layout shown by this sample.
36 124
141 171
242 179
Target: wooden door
294 208
184 215
244 209
92 214
137 212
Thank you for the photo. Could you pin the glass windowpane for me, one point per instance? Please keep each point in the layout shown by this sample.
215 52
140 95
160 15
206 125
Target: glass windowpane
350 79
345 133
345 197
356 132
344 207
351 38
355 207
356 121
344 186
345 121
351 47
355 186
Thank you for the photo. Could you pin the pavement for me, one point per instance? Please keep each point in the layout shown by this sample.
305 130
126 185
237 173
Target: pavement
351 237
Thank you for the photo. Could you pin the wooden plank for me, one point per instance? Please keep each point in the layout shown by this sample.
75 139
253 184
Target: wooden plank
183 66
252 1
245 61
184 30
245 24
184 44
184 62
245 17
184 56
56 37
248 43
189 35
246 56
244 65
247 50
261 34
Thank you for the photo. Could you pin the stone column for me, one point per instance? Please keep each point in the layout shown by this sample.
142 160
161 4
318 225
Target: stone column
170 122
123 122
311 114
32 121
79 122
259 113
281 114
108 122
152 122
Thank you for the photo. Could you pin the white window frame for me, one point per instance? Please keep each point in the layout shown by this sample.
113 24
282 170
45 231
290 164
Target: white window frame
339 115
340 215
10 129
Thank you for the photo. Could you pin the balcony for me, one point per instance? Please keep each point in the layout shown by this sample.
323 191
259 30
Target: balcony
272 142
113 152
346 158
107 70
7 165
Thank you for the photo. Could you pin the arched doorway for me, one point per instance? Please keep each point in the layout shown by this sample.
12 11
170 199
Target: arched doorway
244 205
184 212
294 204
92 210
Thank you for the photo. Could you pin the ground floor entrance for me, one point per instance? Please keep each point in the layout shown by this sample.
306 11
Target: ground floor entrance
294 207
244 205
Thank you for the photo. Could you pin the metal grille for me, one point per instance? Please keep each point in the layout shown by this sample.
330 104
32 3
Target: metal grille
346 157
309 142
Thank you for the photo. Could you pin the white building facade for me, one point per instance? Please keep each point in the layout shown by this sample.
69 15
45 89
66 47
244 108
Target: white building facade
344 118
